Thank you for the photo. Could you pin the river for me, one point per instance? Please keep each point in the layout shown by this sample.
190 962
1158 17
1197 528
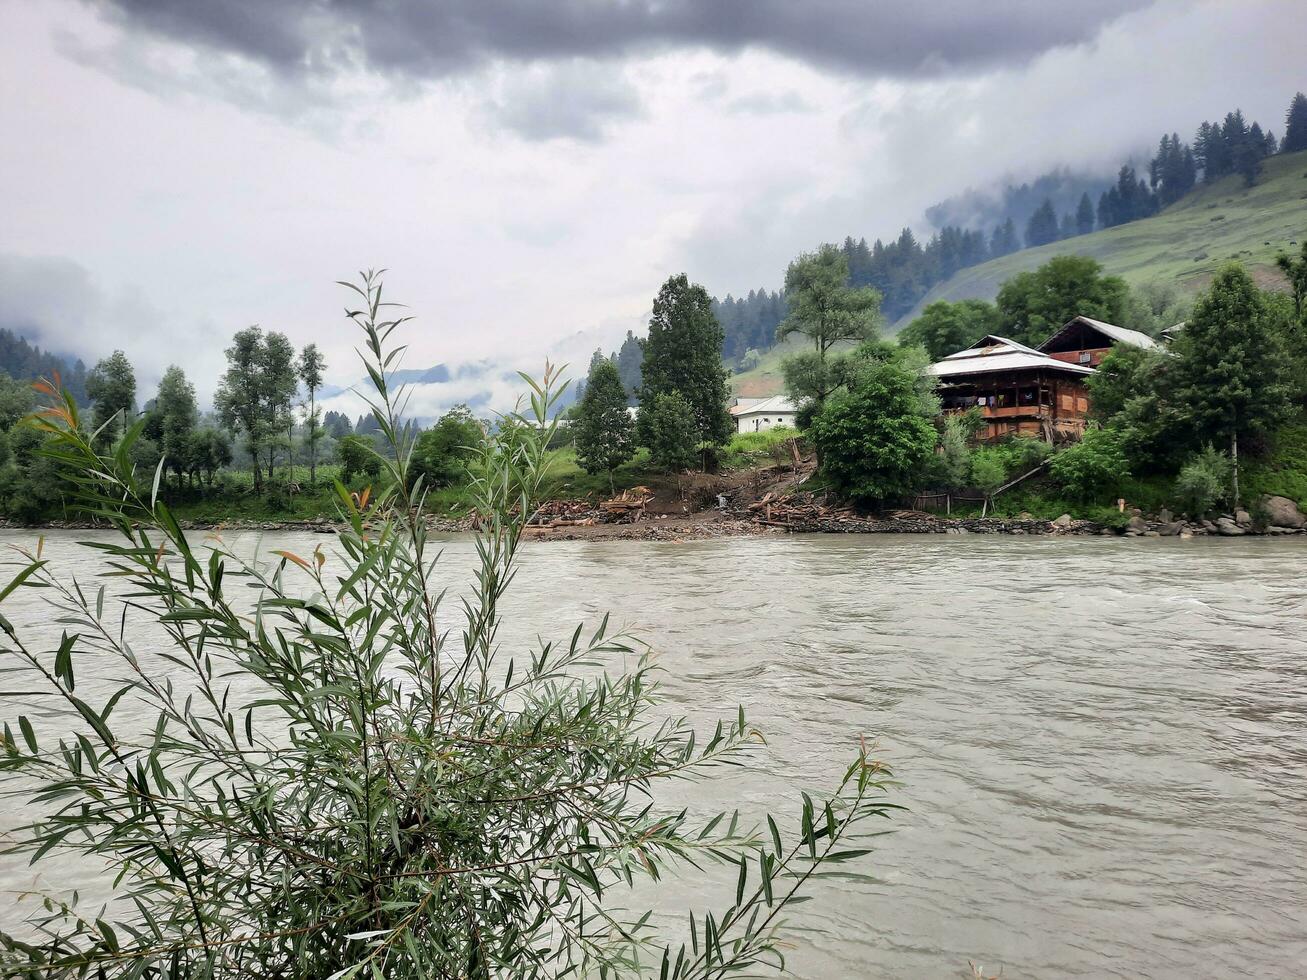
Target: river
1101 741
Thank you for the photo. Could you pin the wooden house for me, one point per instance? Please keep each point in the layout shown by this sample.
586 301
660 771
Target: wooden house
1083 340
1019 390
1022 390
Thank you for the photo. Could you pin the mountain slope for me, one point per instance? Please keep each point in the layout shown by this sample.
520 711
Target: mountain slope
1185 244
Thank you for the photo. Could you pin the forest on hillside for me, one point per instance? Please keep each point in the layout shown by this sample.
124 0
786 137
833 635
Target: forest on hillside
974 227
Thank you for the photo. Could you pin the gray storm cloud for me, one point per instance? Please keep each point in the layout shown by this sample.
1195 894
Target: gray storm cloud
421 39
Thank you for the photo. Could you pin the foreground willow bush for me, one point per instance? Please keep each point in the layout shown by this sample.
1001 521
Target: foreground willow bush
336 783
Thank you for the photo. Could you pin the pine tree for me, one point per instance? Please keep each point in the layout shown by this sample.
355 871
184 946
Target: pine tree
1295 126
1229 370
1042 228
683 353
605 437
1084 215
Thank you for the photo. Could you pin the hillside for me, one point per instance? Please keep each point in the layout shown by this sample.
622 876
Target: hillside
1185 244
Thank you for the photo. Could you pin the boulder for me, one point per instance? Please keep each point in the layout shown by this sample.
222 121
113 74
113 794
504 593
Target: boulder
1243 518
1164 516
1063 522
1228 528
1171 529
1137 524
1283 512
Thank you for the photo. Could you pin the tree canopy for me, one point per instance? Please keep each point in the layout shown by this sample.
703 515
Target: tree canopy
111 386
605 433
683 354
1031 305
874 438
945 328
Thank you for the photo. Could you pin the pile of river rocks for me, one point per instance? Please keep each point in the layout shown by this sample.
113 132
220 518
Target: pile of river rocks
1275 515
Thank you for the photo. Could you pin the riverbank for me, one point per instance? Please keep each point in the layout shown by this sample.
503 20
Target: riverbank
782 519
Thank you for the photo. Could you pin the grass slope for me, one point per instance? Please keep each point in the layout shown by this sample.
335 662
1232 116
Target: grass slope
1184 244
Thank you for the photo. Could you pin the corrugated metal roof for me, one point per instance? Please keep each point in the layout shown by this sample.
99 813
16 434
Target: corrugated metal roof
1123 335
990 345
1003 360
775 404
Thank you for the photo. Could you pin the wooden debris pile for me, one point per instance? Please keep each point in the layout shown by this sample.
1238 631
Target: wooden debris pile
776 510
564 513
627 507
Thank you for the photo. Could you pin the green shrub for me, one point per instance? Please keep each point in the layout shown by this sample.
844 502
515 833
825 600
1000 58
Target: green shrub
1204 481
318 777
988 470
1093 468
357 455
671 432
874 441
441 453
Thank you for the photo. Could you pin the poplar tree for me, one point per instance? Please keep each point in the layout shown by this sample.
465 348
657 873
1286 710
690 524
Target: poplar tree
310 367
178 414
111 386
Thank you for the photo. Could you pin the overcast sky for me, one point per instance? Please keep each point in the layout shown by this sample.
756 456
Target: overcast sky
531 170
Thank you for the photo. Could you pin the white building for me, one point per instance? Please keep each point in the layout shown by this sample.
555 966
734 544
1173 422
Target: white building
761 414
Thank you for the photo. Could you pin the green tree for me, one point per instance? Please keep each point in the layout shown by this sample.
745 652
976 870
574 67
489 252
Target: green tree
827 311
1093 467
1229 374
209 451
1295 270
1153 306
357 455
945 328
1042 227
605 436
683 354
1295 125
239 398
875 438
1031 305
279 384
16 401
629 357
442 453
670 425
256 394
309 368
1084 215
175 405
111 386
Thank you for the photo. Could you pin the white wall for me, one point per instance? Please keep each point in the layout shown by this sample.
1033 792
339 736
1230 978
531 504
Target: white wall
764 421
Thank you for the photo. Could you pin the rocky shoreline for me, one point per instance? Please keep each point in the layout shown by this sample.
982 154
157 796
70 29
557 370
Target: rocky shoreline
1276 516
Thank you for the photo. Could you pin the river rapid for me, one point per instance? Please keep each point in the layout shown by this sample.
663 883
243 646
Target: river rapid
1102 742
